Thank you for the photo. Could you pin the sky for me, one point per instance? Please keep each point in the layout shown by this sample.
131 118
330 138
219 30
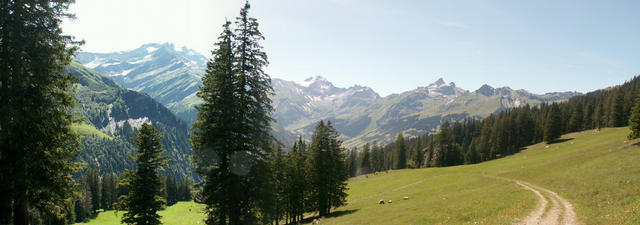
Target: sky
394 46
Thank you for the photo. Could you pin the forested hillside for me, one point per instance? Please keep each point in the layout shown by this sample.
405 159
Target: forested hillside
118 113
472 140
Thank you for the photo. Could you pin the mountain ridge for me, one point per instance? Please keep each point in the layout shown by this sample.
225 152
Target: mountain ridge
359 113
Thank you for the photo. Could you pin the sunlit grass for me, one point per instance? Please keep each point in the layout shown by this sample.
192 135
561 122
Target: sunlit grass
598 172
182 213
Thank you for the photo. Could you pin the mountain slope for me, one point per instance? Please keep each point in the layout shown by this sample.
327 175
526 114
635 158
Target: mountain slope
167 74
594 171
360 115
117 112
172 76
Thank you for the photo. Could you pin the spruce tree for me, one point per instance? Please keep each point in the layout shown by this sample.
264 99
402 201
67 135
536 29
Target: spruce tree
365 160
328 170
93 179
37 144
552 125
575 122
232 133
214 137
634 120
109 194
616 110
145 186
400 153
352 163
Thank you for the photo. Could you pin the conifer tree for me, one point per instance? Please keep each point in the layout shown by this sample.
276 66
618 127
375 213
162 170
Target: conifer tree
328 170
365 159
575 122
552 127
616 111
352 163
145 187
400 153
232 133
93 180
36 141
214 137
171 187
109 193
634 120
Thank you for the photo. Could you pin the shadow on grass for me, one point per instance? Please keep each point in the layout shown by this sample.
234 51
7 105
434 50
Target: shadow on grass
331 215
561 140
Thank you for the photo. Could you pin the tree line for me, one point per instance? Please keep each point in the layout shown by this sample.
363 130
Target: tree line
503 133
97 192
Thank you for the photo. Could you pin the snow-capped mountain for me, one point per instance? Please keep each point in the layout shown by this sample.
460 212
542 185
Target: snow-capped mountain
165 72
172 76
298 103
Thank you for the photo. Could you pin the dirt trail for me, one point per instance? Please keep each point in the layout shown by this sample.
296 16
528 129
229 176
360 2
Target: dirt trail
561 211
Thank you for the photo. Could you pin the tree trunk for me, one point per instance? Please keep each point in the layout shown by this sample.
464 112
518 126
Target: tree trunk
20 208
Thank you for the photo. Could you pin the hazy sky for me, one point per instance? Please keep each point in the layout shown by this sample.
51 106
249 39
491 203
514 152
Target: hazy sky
394 46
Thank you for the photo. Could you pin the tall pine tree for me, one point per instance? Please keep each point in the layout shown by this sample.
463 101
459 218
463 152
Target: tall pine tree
400 153
328 171
232 133
552 125
145 186
36 140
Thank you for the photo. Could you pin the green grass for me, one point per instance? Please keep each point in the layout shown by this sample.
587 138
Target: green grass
182 213
87 129
598 172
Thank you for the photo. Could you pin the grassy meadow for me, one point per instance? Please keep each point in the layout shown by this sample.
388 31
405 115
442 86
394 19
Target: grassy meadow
182 213
597 172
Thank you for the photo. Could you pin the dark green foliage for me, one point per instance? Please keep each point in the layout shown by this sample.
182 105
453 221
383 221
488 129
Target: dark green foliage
297 182
616 111
352 163
109 192
104 105
144 184
93 181
171 188
232 134
553 124
399 153
36 141
365 160
507 132
83 206
634 120
328 172
575 122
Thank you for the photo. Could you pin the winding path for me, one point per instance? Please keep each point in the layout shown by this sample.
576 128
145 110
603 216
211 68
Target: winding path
560 212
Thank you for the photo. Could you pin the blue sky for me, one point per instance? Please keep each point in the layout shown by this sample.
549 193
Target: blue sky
395 46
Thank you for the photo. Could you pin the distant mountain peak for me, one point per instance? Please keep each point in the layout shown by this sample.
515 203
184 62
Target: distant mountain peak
313 80
439 82
486 90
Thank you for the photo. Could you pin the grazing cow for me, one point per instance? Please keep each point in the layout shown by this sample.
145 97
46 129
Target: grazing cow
546 146
390 201
405 198
381 202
